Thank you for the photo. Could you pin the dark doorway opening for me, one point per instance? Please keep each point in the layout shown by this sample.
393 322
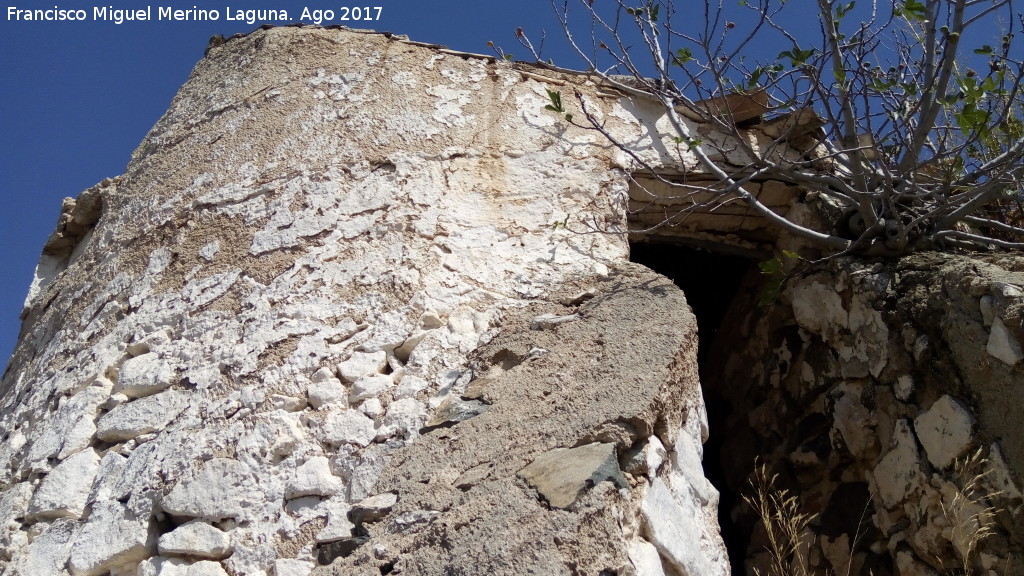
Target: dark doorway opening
710 281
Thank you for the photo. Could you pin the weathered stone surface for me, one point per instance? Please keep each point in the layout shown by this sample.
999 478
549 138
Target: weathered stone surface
560 475
1002 344
881 371
314 478
49 551
144 375
462 507
898 473
222 488
288 567
195 538
64 491
454 410
113 538
322 212
348 427
161 566
945 431
362 364
142 416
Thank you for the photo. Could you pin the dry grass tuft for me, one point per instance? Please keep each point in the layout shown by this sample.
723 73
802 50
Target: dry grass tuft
784 525
971 519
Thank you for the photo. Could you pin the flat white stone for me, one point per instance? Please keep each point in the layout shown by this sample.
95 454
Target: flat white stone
673 528
898 473
13 504
367 387
338 525
314 478
49 552
818 308
71 428
291 567
945 431
223 488
161 566
645 558
326 393
1003 345
144 375
348 427
64 491
112 537
403 418
142 416
362 364
195 538
287 403
409 386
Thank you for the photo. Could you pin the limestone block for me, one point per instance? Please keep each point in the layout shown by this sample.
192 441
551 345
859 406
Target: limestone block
562 474
161 566
646 458
645 558
290 567
684 478
49 551
854 421
369 387
1003 345
287 403
362 364
362 472
13 504
72 427
110 468
373 408
672 529
195 538
64 491
326 393
314 478
403 419
144 375
113 537
898 473
338 525
348 427
373 508
818 308
410 386
945 431
142 416
223 488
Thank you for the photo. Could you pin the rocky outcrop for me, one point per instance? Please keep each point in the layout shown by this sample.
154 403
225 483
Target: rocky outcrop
362 306
885 396
566 472
326 316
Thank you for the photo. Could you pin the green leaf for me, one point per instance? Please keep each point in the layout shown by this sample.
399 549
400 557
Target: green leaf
797 57
556 101
842 11
985 50
683 55
912 10
770 266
